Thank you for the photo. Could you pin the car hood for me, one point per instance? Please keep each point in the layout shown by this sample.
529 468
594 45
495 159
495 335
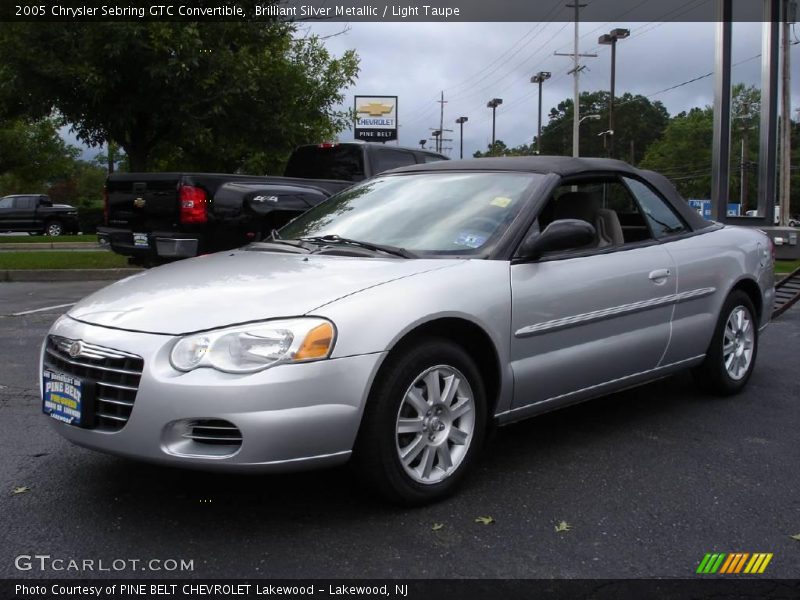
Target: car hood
237 287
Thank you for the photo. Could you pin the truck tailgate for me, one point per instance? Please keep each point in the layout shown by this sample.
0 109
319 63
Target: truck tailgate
143 201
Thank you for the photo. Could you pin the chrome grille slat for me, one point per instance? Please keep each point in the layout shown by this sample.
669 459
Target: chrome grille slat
216 432
112 417
118 386
193 436
117 402
116 374
91 366
63 344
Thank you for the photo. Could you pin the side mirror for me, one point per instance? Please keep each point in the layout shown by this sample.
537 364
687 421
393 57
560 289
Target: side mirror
563 234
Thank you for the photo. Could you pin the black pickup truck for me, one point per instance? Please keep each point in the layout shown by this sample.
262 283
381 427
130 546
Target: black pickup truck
156 217
36 213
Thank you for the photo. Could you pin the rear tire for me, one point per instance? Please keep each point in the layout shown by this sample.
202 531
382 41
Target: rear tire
732 354
424 423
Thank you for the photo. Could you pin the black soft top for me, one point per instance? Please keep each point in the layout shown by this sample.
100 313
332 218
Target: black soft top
567 166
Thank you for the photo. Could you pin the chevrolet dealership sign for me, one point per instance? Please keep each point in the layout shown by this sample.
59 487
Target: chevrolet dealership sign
376 118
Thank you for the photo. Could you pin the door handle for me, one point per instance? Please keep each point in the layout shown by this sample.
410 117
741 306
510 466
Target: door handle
659 275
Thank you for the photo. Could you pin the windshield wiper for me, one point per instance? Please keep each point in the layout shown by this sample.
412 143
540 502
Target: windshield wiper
335 239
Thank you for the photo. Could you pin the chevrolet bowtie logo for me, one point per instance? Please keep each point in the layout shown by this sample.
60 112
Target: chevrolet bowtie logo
376 109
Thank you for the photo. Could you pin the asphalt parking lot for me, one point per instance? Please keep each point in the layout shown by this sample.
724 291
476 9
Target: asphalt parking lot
649 481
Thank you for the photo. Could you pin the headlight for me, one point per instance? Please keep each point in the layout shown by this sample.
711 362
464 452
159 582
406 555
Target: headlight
254 347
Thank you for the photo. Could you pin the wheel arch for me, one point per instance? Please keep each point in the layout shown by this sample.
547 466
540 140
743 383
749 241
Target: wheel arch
471 337
753 290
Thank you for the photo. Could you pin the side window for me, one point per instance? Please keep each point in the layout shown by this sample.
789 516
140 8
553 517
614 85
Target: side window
25 202
606 204
662 219
429 158
5 202
384 159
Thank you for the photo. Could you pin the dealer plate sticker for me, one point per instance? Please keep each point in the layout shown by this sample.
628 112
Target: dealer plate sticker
140 240
61 398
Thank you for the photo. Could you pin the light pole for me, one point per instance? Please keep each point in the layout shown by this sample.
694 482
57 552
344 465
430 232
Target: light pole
461 121
592 117
611 39
493 104
540 78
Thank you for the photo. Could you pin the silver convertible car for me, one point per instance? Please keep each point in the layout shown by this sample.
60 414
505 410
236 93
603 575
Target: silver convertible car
396 322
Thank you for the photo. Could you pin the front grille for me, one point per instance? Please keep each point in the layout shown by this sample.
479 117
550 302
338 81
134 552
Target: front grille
215 432
116 376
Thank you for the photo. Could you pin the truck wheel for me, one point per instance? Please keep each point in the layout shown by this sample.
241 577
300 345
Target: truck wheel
423 425
54 228
732 354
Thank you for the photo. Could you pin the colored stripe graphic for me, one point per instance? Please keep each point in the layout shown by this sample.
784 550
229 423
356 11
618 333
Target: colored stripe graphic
734 563
726 566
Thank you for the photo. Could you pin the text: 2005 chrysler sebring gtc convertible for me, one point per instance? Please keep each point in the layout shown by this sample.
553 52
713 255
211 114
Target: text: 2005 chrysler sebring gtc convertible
399 319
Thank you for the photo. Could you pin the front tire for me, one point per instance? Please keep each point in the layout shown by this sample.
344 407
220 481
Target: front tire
732 354
424 423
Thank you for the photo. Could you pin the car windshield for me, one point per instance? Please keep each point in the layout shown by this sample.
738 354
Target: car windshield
425 213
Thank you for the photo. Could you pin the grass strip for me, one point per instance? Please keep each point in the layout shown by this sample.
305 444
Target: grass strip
45 239
75 259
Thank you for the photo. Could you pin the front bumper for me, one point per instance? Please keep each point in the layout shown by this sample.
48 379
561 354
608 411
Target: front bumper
291 417
159 244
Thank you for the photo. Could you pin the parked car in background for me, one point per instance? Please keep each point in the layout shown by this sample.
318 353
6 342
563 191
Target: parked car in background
156 217
396 321
36 213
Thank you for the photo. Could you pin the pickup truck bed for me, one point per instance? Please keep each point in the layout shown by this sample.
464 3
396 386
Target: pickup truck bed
155 217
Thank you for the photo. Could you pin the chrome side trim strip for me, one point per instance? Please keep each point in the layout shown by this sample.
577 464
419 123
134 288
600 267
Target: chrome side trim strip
600 385
614 311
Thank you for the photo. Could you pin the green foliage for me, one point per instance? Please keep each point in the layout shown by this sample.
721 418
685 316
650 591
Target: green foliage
684 151
197 96
500 149
32 154
637 122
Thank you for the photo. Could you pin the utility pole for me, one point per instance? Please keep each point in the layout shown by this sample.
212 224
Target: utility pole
744 167
575 72
786 120
540 78
441 116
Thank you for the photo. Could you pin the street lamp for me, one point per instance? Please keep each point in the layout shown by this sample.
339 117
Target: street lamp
493 104
540 78
611 40
590 117
461 121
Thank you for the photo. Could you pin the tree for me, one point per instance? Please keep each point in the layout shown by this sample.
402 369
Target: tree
637 123
210 96
32 155
684 151
500 149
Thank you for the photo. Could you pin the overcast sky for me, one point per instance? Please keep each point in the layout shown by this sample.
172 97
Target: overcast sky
474 62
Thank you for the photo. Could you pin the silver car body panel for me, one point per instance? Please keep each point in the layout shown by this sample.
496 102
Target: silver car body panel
291 416
187 296
562 330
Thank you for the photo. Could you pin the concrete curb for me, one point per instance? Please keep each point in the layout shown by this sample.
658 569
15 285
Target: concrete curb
66 274
50 246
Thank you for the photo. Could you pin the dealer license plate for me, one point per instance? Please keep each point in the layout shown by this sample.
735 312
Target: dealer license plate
140 240
61 397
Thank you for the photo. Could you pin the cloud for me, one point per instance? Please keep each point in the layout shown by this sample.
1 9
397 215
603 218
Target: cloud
474 62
